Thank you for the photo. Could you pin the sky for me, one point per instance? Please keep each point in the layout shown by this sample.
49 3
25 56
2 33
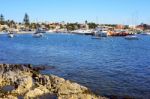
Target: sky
100 11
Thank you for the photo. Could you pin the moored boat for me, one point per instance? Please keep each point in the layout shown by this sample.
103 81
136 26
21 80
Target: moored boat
11 34
119 33
145 33
38 33
82 32
98 33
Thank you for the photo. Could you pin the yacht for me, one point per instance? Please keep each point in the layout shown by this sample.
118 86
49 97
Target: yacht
83 32
38 33
100 33
11 34
145 33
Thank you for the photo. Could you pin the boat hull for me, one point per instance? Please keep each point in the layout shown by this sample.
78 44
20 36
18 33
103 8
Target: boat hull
11 35
37 35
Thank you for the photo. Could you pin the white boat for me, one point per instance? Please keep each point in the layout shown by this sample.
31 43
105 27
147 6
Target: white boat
11 35
38 33
145 33
100 32
131 37
84 32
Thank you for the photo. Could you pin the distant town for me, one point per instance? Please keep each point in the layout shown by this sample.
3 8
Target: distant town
78 28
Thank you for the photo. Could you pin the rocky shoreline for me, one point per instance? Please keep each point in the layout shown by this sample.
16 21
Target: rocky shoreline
25 82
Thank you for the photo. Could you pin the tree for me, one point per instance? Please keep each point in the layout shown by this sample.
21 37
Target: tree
72 26
126 27
86 22
2 21
26 20
92 25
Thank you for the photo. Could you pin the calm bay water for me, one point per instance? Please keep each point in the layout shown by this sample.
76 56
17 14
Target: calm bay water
108 66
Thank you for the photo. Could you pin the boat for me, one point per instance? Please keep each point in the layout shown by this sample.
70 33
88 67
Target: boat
98 33
131 37
82 32
102 33
11 34
119 33
38 33
145 33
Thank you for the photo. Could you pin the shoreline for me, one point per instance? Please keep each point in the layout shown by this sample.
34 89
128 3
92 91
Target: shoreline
31 32
26 82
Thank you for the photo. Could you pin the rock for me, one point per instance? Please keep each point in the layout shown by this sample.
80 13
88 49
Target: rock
24 84
36 92
28 83
10 97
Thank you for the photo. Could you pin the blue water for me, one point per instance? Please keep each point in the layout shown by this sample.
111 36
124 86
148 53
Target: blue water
108 66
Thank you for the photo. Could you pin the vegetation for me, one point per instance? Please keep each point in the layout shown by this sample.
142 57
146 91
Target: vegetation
72 26
26 20
26 25
110 25
2 20
126 27
92 25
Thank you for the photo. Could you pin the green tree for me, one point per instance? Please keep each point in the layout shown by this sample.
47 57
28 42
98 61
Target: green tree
2 20
86 22
126 27
72 26
26 20
92 25
11 24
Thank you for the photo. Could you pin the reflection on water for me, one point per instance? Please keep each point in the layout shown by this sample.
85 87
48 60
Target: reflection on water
109 66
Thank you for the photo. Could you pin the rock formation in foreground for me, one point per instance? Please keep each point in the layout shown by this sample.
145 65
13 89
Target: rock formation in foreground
23 82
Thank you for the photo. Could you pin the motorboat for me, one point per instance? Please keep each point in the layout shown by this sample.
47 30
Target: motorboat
38 33
145 33
82 32
102 33
11 34
131 37
98 33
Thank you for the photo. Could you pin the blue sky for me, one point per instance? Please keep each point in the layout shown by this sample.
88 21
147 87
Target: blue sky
101 11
